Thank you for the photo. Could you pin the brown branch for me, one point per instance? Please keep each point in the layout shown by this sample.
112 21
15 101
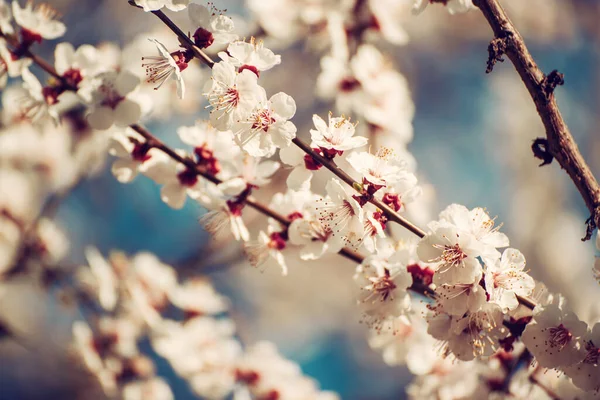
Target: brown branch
560 143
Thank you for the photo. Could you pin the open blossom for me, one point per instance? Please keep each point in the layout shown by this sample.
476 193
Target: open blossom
341 214
223 216
153 5
473 335
178 180
165 65
553 335
253 55
307 230
266 250
383 285
477 224
131 151
459 298
586 372
232 95
335 137
267 128
8 66
38 22
505 280
32 103
213 26
303 165
215 151
381 169
112 103
451 253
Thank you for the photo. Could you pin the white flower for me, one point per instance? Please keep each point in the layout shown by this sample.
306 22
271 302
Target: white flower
267 250
452 255
111 100
178 180
300 177
267 127
474 335
32 103
552 336
387 14
250 171
307 229
403 340
38 21
223 215
232 96
153 5
253 55
383 285
213 26
198 296
215 151
151 389
341 214
478 224
459 298
100 279
586 373
165 65
131 154
76 65
381 169
454 6
505 280
338 136
8 66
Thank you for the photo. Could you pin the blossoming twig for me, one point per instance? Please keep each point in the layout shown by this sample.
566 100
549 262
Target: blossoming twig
561 144
329 164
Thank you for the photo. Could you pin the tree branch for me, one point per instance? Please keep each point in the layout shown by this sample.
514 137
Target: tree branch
560 142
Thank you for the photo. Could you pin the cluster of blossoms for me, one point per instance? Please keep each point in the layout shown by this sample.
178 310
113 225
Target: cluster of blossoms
139 298
476 285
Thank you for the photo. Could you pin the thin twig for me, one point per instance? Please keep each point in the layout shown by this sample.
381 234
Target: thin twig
560 142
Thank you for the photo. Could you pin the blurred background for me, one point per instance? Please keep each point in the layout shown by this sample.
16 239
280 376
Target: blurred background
472 137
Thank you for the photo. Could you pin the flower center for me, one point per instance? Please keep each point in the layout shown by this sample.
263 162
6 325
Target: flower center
187 177
593 354
383 287
559 336
111 98
225 100
453 255
262 120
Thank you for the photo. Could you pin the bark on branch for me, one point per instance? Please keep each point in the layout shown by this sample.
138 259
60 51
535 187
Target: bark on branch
560 143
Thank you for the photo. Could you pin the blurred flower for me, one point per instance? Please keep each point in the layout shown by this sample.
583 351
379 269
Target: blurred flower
553 335
111 100
38 22
213 26
253 56
153 5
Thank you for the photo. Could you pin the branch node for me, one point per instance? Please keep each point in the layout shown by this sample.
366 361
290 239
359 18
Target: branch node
541 151
591 224
496 50
551 81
